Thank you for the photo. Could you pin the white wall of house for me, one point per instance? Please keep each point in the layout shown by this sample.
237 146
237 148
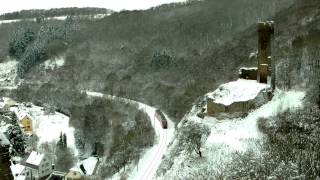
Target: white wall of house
44 169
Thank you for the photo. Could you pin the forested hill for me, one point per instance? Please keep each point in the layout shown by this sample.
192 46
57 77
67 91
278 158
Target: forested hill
165 56
26 14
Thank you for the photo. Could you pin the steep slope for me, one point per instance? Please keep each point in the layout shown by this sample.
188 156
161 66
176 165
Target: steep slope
228 138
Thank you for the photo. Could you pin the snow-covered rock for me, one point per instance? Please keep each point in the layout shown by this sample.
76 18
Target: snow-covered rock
237 91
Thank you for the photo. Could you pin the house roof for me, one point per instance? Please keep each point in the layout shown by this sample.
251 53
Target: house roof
21 114
3 140
89 165
35 158
74 173
17 169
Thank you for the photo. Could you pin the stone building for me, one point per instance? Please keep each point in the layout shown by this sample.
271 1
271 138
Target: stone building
265 33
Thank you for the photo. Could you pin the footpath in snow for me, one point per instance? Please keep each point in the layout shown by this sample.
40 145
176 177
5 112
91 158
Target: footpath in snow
150 161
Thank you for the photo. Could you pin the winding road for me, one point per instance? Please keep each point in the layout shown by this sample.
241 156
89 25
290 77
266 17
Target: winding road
150 161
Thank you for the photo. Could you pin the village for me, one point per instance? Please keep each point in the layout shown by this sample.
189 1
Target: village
50 128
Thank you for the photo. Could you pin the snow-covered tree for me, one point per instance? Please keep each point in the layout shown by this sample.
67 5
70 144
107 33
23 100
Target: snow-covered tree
17 139
194 135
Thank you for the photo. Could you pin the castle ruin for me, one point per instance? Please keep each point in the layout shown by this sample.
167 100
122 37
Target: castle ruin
262 74
265 33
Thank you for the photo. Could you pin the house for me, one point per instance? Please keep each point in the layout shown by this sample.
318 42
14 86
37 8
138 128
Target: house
57 175
38 166
18 171
6 103
25 121
74 174
86 167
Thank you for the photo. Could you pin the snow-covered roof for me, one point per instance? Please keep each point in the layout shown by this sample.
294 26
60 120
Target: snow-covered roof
21 114
237 91
3 140
247 68
89 165
17 169
35 158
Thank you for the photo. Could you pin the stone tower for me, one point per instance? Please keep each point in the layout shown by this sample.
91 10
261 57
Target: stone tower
265 34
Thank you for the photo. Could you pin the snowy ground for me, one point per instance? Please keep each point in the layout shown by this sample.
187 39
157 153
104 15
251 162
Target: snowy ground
150 161
228 136
48 127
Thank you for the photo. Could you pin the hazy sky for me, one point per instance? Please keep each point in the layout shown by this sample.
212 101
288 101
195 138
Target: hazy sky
16 5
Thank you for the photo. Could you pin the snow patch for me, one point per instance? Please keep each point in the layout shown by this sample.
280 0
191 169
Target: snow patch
54 63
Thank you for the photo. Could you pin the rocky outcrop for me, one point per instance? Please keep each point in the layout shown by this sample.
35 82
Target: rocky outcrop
237 97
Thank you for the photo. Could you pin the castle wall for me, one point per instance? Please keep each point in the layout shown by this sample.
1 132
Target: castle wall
214 109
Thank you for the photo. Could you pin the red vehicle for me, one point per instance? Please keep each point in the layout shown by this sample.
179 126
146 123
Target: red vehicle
163 121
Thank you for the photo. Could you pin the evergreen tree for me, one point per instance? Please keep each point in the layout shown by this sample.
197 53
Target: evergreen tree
17 139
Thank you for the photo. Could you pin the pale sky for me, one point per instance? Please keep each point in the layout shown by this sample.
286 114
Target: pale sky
117 5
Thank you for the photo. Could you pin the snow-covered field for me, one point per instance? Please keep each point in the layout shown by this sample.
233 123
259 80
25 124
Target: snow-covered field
49 126
228 136
150 161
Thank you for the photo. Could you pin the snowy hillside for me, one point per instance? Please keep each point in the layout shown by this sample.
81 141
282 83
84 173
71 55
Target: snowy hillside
227 137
